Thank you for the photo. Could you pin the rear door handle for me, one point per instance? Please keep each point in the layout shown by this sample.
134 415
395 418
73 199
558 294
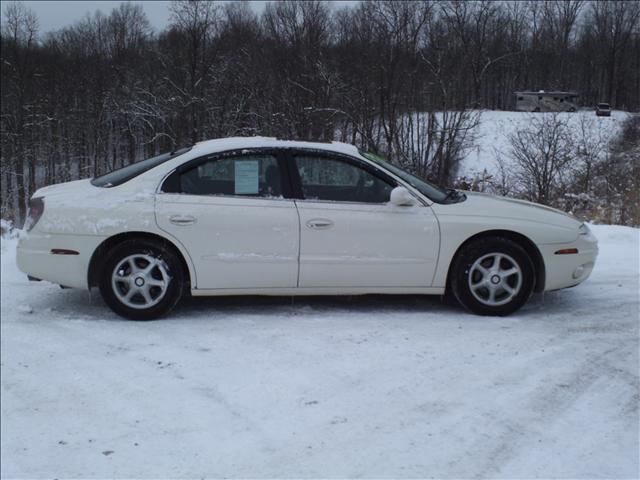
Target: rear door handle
319 224
182 219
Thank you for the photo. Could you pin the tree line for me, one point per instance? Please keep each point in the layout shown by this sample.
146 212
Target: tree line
401 78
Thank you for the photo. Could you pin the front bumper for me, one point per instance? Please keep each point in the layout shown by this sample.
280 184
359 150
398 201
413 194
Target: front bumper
34 257
568 270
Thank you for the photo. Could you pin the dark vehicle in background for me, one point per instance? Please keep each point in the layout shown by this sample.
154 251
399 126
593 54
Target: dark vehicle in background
603 110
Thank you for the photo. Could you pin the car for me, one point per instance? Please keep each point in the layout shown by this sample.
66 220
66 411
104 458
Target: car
265 216
603 110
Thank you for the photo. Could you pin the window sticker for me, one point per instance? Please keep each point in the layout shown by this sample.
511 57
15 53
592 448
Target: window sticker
247 173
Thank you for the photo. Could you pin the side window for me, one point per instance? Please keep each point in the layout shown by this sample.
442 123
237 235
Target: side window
339 181
251 175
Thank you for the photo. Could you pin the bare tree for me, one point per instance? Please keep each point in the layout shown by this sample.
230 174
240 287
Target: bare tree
619 177
195 22
557 29
19 31
543 153
476 26
614 22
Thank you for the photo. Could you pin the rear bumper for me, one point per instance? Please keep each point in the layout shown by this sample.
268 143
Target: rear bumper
568 270
34 257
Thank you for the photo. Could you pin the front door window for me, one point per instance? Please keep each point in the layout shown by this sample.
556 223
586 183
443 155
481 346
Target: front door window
330 179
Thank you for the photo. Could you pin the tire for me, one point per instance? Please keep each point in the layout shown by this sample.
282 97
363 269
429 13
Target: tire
142 279
475 276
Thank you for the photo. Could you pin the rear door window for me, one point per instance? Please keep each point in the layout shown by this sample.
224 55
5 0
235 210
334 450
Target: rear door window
243 175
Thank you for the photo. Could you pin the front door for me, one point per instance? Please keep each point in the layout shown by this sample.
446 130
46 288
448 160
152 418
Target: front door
230 214
350 236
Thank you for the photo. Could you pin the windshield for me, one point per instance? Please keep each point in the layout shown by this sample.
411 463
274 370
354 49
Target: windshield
430 190
124 174
603 105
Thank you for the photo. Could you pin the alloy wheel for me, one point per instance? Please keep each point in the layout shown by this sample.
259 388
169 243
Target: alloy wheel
495 279
140 281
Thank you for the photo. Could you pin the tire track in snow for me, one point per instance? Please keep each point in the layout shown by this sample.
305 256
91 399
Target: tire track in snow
549 404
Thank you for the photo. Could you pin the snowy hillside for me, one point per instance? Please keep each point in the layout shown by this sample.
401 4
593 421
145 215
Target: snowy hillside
363 387
495 127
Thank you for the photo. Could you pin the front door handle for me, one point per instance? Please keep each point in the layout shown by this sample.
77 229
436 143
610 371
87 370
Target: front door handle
319 224
182 219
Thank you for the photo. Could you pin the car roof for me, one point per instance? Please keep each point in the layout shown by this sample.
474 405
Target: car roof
239 143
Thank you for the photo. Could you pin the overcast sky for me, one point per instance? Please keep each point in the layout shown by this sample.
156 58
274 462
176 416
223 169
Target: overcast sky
53 15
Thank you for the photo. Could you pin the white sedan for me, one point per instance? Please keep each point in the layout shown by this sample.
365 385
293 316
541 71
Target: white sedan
263 216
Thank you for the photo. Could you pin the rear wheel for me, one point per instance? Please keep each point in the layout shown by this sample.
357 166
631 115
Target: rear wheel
492 276
142 279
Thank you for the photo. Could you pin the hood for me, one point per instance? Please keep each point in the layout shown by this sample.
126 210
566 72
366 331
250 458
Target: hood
519 202
494 206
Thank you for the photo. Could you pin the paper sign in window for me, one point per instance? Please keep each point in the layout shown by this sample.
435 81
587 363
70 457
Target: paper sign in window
247 177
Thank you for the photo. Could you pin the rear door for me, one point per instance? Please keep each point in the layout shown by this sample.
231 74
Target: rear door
231 213
350 236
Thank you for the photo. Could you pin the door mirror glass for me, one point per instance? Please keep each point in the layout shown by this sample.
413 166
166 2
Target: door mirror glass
401 197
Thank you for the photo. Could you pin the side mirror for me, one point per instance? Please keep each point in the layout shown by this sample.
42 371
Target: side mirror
401 197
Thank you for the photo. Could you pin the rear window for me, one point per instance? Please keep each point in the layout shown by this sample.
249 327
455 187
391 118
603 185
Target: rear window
124 174
603 105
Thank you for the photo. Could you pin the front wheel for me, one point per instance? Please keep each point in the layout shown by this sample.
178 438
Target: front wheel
141 279
492 276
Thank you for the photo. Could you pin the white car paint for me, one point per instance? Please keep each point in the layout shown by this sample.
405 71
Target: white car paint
367 245
236 242
255 245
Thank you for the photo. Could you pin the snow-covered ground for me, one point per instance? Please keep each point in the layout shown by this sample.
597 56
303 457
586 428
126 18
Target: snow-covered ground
492 134
361 387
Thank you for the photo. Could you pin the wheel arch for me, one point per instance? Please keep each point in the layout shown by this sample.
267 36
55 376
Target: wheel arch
525 242
100 254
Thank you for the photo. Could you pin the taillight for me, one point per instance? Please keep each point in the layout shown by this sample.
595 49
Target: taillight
36 209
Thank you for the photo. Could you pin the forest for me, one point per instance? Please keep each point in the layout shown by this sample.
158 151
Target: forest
405 79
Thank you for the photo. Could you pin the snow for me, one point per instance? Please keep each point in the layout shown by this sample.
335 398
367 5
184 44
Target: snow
494 128
247 143
335 387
